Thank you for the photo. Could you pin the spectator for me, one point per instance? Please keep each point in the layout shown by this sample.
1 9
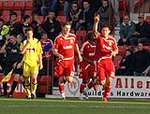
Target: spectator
15 26
4 29
2 54
147 71
106 13
142 31
41 7
51 26
44 7
60 7
126 64
67 5
74 15
26 23
95 4
141 60
47 56
36 25
63 7
12 56
53 4
86 17
57 6
127 28
2 49
37 6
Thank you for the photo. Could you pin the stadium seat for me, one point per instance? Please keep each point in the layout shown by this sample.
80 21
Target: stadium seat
28 5
28 12
61 19
5 15
1 5
60 13
45 80
8 5
44 83
19 5
43 89
41 19
81 35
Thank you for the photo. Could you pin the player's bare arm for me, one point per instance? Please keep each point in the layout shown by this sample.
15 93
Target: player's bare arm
3 50
40 62
96 22
115 51
25 47
78 52
19 65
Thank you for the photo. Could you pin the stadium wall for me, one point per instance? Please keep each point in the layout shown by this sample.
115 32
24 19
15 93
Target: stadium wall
19 91
123 87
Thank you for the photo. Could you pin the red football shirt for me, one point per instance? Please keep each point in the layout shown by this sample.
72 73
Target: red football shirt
105 47
88 50
65 46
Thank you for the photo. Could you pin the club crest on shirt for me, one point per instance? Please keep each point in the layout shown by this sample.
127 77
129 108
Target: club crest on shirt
107 47
110 42
71 41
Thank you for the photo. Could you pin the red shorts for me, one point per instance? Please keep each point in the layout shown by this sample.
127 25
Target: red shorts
64 68
106 69
87 70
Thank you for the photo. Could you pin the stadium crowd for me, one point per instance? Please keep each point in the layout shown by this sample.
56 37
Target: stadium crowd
134 56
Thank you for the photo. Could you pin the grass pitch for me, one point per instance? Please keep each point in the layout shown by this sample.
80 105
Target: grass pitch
58 106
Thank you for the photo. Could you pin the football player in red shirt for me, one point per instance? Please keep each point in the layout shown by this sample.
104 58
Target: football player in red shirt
64 46
88 65
106 48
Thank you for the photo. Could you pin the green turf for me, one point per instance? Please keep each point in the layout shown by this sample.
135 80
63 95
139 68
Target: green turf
57 106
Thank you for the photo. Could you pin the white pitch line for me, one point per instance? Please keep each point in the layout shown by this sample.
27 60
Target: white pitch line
73 106
76 101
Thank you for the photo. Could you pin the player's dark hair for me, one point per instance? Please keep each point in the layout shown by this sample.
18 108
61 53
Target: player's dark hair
28 29
106 26
26 17
13 13
90 36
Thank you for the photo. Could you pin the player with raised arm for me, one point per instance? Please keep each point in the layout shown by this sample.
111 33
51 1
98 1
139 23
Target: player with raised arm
106 48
